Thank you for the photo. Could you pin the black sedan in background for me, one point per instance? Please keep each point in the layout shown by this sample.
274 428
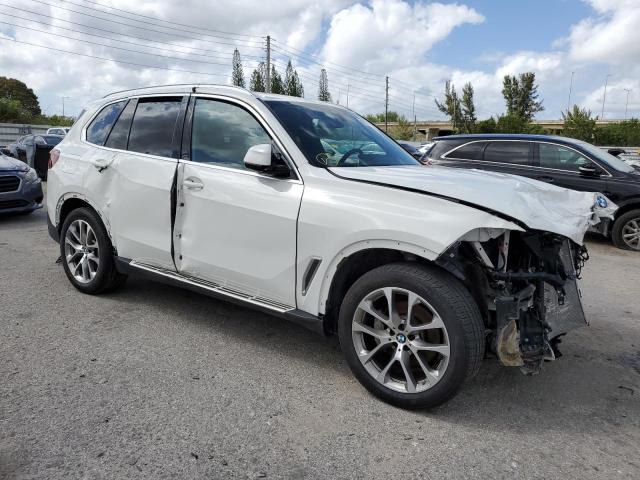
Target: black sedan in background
561 161
20 187
43 144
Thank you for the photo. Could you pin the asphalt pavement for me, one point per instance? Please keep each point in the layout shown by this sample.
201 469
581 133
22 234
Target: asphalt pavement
156 382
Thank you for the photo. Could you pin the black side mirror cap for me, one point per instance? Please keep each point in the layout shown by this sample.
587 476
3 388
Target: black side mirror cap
590 171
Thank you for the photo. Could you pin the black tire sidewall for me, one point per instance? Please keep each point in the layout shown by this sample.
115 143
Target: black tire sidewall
619 224
104 251
458 366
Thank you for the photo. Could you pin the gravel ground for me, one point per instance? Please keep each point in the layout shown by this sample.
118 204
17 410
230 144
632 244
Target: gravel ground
156 382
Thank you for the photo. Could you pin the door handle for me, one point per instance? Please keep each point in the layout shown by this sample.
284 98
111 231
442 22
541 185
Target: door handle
193 184
545 178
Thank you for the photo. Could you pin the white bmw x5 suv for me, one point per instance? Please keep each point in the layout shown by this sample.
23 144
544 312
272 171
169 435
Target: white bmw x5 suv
305 210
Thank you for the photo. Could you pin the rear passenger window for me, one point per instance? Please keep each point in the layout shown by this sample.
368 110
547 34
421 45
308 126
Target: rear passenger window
120 131
153 126
470 151
222 133
100 127
516 153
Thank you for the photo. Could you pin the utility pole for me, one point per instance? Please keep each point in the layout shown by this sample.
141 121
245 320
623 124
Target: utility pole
626 105
570 88
604 97
386 104
413 111
348 86
63 98
267 87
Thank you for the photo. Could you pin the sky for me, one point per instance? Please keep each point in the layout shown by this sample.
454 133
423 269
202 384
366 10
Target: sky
80 50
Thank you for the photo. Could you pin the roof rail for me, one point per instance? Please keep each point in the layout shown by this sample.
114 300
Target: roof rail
194 85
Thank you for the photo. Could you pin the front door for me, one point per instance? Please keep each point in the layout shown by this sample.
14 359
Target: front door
235 227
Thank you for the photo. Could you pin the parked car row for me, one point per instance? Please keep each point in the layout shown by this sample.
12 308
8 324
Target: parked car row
34 150
20 187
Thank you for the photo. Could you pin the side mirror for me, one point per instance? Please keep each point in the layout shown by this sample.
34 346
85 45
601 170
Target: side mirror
261 158
590 171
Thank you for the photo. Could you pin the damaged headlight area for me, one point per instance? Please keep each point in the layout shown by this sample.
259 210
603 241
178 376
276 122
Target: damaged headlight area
526 286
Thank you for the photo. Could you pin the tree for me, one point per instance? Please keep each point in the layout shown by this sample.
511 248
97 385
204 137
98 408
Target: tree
578 123
403 130
486 126
323 88
450 105
13 89
277 86
468 116
11 111
521 96
292 84
237 76
257 83
379 117
516 124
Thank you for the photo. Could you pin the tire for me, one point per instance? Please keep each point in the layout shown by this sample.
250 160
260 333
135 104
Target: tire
438 294
102 275
623 230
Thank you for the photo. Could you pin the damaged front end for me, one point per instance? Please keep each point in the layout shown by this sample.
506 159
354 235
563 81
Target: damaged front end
525 283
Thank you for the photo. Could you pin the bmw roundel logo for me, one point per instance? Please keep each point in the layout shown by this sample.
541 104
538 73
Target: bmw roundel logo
601 201
401 338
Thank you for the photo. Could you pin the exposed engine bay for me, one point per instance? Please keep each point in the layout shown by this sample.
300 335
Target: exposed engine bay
525 284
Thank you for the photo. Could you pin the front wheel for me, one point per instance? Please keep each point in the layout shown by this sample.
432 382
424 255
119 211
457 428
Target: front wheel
411 334
626 231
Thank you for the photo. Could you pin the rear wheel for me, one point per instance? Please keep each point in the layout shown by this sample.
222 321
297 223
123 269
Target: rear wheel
626 231
87 253
411 334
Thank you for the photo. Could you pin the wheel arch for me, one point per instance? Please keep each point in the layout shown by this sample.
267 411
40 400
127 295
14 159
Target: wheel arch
72 201
356 260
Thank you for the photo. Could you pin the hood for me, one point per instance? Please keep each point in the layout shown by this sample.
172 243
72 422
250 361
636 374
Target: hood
12 164
538 205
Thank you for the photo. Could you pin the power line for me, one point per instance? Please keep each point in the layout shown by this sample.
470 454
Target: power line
246 45
114 60
165 21
106 30
118 48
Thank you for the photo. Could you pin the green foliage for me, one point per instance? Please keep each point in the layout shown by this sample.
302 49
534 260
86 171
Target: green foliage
237 75
258 80
450 105
403 130
468 117
277 85
13 89
11 111
323 87
521 96
623 134
486 126
379 117
292 84
578 123
516 124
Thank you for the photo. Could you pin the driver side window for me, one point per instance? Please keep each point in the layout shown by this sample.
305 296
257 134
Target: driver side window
222 133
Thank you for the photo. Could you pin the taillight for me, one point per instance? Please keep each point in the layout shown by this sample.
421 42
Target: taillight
54 155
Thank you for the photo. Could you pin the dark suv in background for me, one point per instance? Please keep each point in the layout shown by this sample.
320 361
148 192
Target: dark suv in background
565 162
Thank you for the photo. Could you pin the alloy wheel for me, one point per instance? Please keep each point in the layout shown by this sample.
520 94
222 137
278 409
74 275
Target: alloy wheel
631 233
400 340
81 251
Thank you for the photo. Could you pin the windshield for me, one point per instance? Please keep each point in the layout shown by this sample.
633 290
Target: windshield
330 136
606 157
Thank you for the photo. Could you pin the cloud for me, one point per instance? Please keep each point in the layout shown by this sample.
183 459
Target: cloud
613 37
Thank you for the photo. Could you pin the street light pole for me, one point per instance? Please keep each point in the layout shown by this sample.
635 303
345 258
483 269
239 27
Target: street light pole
626 105
604 97
570 88
63 98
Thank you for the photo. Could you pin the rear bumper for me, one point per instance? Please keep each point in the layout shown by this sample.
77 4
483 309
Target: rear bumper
27 198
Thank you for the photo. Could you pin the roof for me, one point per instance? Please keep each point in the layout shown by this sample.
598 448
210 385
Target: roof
510 136
181 88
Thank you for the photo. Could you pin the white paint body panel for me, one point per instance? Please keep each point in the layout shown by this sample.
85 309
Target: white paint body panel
239 230
257 234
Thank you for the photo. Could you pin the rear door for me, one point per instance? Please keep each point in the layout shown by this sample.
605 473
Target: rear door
140 152
560 165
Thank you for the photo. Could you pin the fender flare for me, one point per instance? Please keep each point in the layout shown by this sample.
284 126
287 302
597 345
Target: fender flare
72 195
332 268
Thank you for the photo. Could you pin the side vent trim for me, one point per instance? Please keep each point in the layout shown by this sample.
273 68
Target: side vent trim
310 273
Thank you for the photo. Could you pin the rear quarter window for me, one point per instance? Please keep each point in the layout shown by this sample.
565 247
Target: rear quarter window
443 146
